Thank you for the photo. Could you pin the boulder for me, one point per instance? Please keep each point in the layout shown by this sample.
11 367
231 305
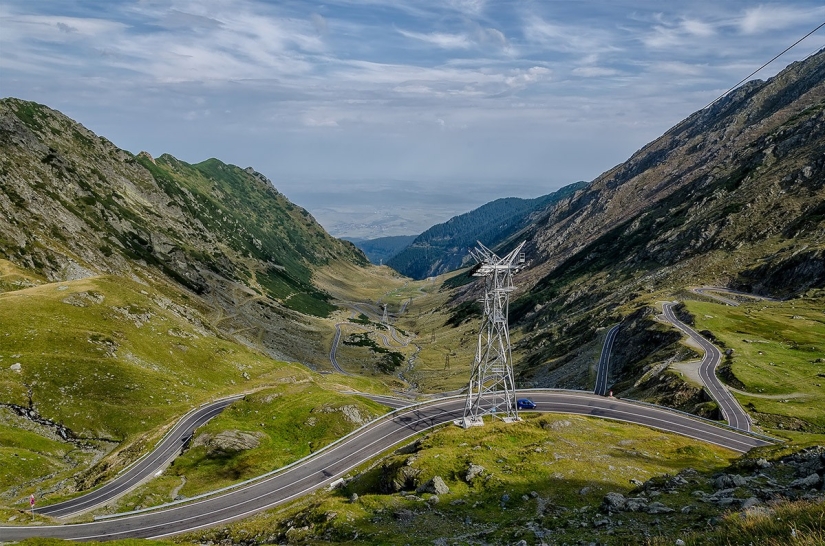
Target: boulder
658 508
436 486
395 478
613 502
635 504
750 503
473 471
807 482
228 442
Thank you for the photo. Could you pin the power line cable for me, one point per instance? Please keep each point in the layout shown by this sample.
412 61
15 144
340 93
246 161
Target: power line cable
743 80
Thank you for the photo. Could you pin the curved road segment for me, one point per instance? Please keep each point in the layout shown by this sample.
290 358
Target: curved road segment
604 361
336 460
715 291
731 410
169 447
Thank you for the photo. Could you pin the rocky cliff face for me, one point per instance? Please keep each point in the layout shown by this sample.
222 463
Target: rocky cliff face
73 205
733 195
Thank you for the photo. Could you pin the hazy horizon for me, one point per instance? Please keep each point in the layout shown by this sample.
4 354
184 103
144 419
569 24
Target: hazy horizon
432 95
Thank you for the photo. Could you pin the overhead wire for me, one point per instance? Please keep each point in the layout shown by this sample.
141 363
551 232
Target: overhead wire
743 80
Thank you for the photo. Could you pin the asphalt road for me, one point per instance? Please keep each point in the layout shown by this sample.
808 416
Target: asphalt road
603 371
715 291
334 350
169 447
731 410
331 463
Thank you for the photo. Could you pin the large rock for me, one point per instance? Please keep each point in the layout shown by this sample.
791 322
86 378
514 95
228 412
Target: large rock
398 477
636 504
614 502
658 508
473 471
228 442
435 486
807 482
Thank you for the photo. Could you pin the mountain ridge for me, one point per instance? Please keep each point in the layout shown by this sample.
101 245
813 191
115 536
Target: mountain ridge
731 196
445 247
73 204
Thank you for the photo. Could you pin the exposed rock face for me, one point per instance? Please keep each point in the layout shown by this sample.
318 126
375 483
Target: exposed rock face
758 483
730 196
351 413
228 442
397 477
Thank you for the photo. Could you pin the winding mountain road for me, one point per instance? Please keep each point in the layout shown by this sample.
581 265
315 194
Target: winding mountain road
731 410
603 371
167 449
334 350
334 461
715 291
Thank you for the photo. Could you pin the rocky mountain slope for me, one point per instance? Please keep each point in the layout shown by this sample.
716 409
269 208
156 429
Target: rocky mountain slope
73 205
445 247
734 195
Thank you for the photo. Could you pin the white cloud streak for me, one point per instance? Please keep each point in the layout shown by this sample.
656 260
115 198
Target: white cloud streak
423 89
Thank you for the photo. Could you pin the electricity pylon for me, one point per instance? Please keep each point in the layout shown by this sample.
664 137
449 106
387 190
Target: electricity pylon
385 319
492 389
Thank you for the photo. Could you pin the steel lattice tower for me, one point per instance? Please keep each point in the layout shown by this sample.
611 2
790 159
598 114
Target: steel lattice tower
492 389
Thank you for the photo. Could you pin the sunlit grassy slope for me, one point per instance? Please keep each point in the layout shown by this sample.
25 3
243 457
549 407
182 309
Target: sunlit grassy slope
290 421
778 356
542 470
117 361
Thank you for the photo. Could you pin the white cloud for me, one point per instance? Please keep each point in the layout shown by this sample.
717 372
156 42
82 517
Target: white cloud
469 7
679 68
439 39
319 23
695 27
594 71
764 18
531 75
566 37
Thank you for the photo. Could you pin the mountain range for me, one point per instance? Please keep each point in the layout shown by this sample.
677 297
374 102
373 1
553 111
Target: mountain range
136 287
445 247
734 196
73 205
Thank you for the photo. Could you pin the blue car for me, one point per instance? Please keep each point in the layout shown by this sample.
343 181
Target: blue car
525 403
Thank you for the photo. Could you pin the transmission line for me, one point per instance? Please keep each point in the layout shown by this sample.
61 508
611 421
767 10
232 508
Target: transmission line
743 80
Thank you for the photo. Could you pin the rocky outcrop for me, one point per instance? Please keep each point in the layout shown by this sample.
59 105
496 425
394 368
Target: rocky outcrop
228 442
757 483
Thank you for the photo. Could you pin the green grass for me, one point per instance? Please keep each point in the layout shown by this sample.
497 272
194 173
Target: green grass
291 421
799 523
114 361
550 466
779 352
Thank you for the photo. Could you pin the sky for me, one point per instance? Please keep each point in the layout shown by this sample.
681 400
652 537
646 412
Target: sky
383 117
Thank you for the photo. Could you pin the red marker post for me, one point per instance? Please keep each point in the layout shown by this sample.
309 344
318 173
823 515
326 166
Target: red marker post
31 503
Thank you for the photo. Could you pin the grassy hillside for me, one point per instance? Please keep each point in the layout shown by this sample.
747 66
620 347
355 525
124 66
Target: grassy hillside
547 474
777 364
73 205
92 371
